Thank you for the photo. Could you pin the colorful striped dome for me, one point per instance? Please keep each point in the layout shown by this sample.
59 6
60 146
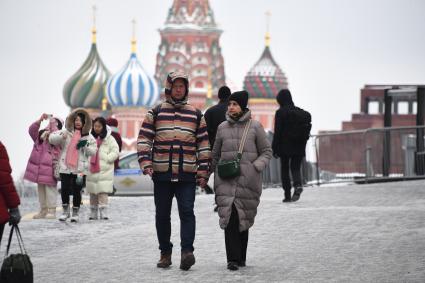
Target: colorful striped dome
265 78
86 87
132 86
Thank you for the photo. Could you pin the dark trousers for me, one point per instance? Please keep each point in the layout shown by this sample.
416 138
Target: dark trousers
236 242
69 186
164 191
1 231
292 163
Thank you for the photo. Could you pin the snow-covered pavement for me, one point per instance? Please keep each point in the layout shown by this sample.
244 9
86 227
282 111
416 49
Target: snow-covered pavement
358 233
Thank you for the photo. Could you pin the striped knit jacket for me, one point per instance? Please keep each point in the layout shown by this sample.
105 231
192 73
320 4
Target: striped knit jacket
173 136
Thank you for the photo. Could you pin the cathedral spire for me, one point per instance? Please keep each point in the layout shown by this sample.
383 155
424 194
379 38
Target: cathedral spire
133 38
267 37
196 12
93 31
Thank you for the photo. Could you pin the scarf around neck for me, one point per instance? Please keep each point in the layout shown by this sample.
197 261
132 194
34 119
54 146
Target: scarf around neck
94 160
72 151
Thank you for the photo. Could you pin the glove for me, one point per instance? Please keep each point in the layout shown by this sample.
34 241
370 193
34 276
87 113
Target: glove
15 216
81 143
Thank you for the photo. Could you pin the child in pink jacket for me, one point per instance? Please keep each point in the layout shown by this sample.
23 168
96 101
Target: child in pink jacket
40 167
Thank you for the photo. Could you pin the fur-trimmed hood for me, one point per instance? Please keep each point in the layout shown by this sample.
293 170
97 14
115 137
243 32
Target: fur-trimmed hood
69 124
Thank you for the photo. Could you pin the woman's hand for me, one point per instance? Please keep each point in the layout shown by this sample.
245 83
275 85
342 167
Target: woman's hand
148 171
202 182
81 143
43 116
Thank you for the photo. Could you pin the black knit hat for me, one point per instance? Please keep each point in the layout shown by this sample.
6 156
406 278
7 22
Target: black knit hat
224 93
241 97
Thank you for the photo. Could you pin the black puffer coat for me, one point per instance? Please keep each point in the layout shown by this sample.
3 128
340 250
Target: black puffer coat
282 145
214 116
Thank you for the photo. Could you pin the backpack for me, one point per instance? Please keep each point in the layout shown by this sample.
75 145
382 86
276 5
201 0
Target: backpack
157 109
299 124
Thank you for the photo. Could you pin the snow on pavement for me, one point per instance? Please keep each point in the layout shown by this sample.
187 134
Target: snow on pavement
357 233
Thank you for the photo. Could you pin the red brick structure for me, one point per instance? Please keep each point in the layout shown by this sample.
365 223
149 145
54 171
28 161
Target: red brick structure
348 153
190 43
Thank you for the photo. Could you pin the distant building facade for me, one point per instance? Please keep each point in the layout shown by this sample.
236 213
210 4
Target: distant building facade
190 42
358 153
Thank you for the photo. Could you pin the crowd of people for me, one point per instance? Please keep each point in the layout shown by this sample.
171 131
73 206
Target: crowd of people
179 148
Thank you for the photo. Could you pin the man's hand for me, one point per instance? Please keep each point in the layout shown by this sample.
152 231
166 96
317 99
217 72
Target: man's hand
202 182
148 171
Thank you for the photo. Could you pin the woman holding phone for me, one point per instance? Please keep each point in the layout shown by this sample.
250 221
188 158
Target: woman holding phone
40 167
77 146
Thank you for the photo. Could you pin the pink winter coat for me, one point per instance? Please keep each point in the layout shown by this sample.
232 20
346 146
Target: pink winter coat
40 164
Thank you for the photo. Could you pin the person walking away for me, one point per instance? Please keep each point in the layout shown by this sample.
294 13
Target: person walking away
9 198
113 124
77 146
215 115
238 197
292 130
173 149
100 180
41 165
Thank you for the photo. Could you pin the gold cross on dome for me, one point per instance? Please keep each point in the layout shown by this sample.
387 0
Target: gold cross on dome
133 39
268 16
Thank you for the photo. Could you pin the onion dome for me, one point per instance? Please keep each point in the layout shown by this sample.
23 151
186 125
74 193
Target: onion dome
265 78
132 86
86 88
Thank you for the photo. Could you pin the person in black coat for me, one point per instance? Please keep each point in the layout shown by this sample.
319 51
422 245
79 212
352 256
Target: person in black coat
216 114
291 152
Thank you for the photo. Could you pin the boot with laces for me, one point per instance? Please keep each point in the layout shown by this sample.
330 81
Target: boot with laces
164 261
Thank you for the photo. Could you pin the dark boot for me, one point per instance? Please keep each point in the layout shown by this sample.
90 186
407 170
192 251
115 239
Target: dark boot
187 260
287 196
242 263
297 193
232 265
75 217
164 261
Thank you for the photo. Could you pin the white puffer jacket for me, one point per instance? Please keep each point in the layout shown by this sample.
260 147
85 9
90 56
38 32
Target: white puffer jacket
64 137
102 182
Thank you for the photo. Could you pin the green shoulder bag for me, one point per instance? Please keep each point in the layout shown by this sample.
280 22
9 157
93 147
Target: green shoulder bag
231 168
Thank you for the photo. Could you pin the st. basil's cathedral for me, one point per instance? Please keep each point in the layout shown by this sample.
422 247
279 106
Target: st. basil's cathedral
190 42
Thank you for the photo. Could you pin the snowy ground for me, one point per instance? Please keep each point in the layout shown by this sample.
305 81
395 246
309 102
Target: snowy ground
358 233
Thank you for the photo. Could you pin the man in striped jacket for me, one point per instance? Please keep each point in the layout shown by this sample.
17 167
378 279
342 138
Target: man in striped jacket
174 150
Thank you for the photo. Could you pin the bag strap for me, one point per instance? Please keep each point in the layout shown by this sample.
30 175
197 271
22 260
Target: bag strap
20 241
242 144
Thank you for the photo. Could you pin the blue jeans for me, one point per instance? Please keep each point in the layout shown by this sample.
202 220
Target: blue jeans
164 191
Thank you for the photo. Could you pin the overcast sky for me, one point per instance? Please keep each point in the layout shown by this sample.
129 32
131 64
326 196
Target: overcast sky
329 49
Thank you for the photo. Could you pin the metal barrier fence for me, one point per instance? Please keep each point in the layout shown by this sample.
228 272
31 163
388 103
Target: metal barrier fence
360 156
